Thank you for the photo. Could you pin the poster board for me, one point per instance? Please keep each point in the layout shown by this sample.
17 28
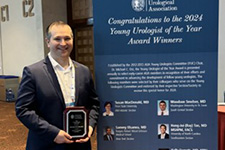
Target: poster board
149 51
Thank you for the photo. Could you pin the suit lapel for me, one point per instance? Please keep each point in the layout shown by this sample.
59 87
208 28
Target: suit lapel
53 78
76 84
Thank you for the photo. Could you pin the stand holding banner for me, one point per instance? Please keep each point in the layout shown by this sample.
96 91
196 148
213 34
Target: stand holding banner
156 72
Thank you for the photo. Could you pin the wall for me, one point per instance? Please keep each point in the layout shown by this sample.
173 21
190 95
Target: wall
221 68
22 38
0 50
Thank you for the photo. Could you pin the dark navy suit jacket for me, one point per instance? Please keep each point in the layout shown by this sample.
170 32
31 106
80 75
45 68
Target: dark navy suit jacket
166 136
40 104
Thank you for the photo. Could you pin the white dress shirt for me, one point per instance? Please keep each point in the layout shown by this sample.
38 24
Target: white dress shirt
66 78
163 113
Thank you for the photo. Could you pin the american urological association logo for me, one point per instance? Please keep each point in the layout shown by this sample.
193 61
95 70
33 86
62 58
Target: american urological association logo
138 5
154 5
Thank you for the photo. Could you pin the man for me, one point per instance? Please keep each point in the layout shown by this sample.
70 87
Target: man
108 136
48 87
163 134
108 111
162 109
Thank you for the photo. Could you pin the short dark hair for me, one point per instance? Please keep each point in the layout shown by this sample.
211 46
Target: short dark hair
163 125
162 101
106 103
107 128
55 23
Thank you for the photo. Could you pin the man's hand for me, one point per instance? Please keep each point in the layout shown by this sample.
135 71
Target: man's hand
87 138
63 137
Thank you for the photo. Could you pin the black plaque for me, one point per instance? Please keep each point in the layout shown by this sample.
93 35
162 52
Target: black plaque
76 122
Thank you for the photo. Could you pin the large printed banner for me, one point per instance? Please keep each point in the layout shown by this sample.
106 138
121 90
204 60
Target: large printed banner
156 74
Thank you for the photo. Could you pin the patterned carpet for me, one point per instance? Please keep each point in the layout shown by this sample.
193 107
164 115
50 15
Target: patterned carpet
12 133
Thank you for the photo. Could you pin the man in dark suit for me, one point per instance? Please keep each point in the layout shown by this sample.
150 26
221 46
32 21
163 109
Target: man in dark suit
108 136
48 87
163 134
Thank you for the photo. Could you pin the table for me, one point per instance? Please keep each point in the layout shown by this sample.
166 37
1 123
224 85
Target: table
221 127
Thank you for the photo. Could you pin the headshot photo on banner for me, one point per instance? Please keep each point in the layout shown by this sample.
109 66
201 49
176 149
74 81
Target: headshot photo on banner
156 74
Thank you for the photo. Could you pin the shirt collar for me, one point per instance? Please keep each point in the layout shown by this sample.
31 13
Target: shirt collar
55 64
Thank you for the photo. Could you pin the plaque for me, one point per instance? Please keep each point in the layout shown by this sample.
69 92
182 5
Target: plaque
76 122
